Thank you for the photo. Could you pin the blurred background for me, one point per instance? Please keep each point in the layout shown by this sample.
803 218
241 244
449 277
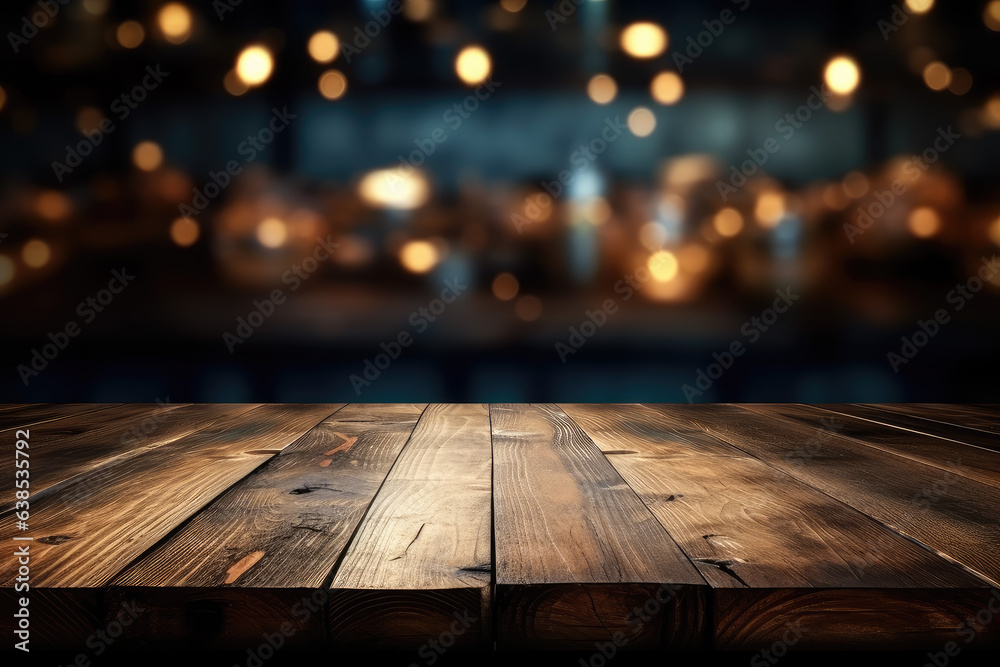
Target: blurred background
684 160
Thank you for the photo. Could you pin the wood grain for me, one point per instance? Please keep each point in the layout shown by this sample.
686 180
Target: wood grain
951 514
259 556
81 544
968 436
576 550
778 552
966 416
27 415
421 564
969 461
64 450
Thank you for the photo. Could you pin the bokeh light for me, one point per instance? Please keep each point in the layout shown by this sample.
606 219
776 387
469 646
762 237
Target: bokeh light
184 232
36 253
147 156
770 209
272 232
418 10
174 20
842 75
923 222
3 98
324 47
663 266
396 188
991 15
919 6
505 286
473 65
667 88
602 89
528 308
855 184
233 84
418 256
644 40
53 205
937 76
97 7
728 222
254 65
641 122
130 34
961 81
994 231
6 270
332 84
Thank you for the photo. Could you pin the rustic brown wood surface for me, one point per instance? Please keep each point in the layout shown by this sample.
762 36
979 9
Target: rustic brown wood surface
576 549
763 539
421 563
448 527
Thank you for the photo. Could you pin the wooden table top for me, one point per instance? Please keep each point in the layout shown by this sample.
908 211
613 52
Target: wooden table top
507 526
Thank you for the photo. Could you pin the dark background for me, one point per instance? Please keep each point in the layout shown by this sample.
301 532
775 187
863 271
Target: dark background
162 337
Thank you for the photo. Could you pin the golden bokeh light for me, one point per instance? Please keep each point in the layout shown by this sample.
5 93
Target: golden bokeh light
418 256
923 222
513 6
254 65
597 211
528 308
184 232
505 286
36 253
994 231
834 197
53 205
770 209
855 184
694 258
396 188
175 21
324 47
667 88
919 6
96 7
961 81
842 75
88 119
641 122
644 40
6 270
418 10
3 98
991 111
147 156
332 84
233 84
663 266
473 65
991 15
937 75
272 232
652 235
728 222
602 89
130 34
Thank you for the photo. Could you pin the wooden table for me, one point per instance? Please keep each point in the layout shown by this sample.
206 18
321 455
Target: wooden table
508 526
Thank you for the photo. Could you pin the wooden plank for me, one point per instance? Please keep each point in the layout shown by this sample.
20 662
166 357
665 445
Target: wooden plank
63 450
421 564
259 556
777 552
966 416
898 420
576 550
955 516
79 547
973 462
32 414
